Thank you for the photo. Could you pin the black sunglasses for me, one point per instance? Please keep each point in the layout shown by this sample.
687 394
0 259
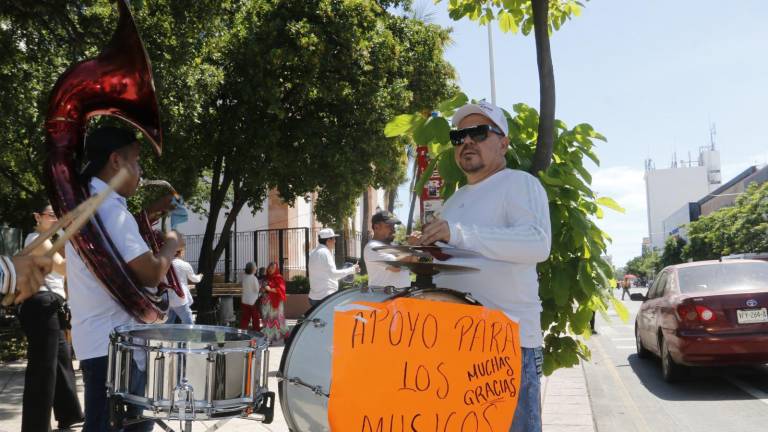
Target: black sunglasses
477 134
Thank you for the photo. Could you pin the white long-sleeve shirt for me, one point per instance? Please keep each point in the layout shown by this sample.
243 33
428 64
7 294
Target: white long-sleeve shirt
186 274
505 218
323 275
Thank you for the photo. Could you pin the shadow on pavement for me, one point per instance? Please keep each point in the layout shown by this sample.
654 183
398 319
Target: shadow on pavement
700 384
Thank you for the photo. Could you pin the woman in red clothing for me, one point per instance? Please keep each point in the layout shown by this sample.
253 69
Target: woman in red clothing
272 304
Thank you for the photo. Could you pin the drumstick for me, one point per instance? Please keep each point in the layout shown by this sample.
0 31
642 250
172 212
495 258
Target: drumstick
82 213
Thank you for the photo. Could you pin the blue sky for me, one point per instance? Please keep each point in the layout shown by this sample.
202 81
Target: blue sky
650 75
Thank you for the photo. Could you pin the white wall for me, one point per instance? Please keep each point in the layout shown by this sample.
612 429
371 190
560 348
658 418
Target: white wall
669 189
245 221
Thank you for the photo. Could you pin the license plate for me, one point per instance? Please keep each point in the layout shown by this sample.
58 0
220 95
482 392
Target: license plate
749 316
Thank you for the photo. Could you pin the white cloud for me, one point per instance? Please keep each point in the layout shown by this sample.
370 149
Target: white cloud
627 187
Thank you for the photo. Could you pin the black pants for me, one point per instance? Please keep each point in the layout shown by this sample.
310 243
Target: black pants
96 404
49 381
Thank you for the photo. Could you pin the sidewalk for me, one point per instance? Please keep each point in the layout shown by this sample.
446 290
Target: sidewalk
565 402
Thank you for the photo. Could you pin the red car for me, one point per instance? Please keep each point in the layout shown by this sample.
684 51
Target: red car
708 313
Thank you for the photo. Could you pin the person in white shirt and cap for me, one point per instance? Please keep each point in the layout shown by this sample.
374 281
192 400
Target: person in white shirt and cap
323 274
503 215
380 274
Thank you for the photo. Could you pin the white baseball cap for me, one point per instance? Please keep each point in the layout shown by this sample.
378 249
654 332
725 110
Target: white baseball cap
326 233
484 108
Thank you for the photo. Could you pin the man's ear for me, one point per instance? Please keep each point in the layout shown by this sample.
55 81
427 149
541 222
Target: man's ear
115 160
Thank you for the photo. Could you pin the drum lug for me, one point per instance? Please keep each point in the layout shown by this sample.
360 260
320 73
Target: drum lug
318 323
183 399
468 297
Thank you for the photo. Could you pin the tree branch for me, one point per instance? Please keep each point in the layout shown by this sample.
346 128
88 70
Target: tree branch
544 146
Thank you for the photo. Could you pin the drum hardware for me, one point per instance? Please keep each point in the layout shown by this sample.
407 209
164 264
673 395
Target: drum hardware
440 253
183 401
317 322
424 271
316 389
193 373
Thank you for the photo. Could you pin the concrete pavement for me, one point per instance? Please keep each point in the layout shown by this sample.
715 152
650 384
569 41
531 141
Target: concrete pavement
565 401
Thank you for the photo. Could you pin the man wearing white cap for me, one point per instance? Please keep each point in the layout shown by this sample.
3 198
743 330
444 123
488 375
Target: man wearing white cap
503 215
323 275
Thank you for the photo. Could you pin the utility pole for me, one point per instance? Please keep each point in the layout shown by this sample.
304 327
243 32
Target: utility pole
490 61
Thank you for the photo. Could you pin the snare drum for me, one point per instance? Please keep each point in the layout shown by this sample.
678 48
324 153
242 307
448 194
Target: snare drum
305 368
192 372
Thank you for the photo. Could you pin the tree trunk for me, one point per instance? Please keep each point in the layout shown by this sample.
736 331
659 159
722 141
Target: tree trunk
414 194
543 156
364 222
391 198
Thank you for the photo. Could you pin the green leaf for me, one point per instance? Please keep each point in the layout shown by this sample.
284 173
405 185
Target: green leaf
507 22
610 203
402 125
447 107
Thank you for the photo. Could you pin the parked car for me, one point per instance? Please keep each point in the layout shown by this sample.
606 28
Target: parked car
708 313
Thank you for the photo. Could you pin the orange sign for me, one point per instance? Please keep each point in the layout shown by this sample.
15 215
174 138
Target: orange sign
421 365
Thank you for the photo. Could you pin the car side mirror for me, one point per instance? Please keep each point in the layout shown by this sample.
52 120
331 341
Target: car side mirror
637 297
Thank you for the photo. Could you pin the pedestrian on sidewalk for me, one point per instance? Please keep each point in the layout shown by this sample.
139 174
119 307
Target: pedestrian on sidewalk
503 215
49 381
625 284
250 309
181 308
323 275
273 304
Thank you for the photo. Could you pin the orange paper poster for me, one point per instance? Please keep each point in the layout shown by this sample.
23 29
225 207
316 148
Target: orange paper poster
421 365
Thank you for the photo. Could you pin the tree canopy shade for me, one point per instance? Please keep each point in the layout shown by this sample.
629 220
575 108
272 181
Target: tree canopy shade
254 95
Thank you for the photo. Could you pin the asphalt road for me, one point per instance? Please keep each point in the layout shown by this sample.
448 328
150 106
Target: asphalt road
628 394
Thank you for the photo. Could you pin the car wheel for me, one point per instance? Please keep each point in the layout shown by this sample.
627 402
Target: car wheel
670 370
641 351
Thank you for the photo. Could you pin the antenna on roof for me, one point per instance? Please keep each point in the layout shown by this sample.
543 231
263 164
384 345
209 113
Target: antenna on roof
712 135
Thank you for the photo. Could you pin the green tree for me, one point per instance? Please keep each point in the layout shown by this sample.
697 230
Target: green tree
645 266
40 40
308 87
673 251
741 228
542 17
575 281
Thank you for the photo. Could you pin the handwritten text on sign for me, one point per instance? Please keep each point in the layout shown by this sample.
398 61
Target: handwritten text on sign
420 365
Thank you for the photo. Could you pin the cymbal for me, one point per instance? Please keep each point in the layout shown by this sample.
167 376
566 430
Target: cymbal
430 269
441 253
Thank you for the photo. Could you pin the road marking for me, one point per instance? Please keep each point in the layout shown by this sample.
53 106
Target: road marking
632 409
622 339
626 347
753 391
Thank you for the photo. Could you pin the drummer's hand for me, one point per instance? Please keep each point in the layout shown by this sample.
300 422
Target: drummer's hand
163 205
30 273
437 230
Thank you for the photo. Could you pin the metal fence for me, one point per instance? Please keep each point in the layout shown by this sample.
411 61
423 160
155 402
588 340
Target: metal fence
10 240
288 247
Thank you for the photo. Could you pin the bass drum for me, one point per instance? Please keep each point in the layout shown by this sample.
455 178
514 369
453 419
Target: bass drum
305 368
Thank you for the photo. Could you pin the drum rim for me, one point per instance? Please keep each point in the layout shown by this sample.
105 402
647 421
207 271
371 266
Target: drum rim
287 349
124 329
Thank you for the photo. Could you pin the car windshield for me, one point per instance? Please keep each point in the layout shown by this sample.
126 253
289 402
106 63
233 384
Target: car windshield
724 277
